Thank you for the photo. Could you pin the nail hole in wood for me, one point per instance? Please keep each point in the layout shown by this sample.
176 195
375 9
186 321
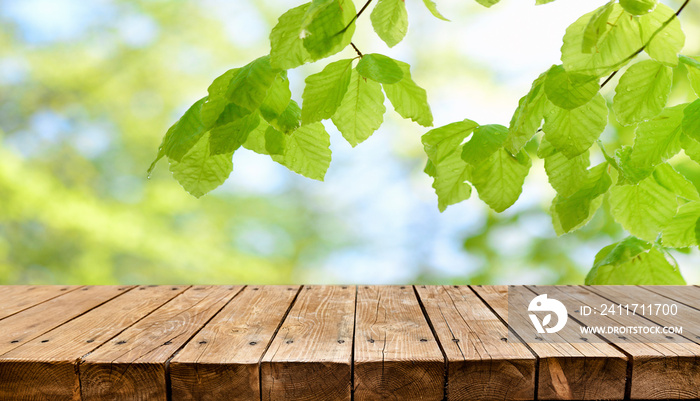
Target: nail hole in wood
253 343
174 288
255 289
44 341
403 287
290 341
423 340
456 340
341 341
85 289
202 342
167 343
290 289
121 342
371 340
455 286
345 287
89 341
505 340
142 288
14 341
584 339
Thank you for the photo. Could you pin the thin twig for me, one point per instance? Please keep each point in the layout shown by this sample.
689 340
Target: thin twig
359 53
355 17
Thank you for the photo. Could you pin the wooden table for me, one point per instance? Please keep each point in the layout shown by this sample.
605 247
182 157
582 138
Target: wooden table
322 343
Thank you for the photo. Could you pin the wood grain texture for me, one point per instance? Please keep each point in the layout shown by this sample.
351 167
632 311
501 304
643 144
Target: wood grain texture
16 298
37 320
482 363
222 361
568 369
310 358
396 353
133 365
46 368
662 367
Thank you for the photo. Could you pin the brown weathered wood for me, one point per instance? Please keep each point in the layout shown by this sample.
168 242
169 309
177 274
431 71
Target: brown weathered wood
16 298
133 365
482 363
45 368
37 320
222 361
660 370
310 358
396 355
569 368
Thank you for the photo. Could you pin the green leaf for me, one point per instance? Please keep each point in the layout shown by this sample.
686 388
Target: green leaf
540 2
620 39
639 7
681 231
572 132
657 140
487 3
409 99
596 27
642 92
442 142
630 172
390 21
693 67
567 175
307 151
290 119
632 262
199 171
286 46
569 90
380 68
449 180
362 110
643 209
443 147
432 7
691 148
227 138
527 117
248 87
217 101
182 136
665 45
274 141
487 139
572 212
324 91
256 139
691 120
669 178
500 178
324 26
277 99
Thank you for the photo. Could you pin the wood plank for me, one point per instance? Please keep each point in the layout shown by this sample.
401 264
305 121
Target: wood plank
16 298
133 364
222 361
35 321
482 363
310 358
660 370
396 354
46 368
567 369
686 294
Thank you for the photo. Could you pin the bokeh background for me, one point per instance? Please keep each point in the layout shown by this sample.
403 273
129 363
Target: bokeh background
88 88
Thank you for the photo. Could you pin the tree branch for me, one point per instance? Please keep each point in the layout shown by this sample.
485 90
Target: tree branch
359 53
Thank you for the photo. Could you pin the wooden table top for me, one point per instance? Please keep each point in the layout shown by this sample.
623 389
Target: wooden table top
326 343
